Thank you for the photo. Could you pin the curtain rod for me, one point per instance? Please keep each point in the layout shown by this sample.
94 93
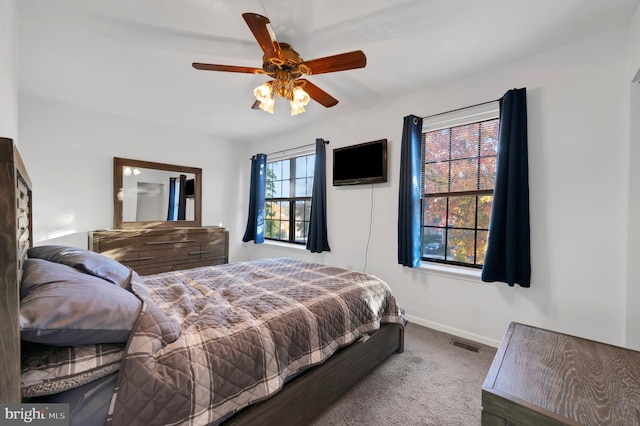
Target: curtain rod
460 109
297 147
470 106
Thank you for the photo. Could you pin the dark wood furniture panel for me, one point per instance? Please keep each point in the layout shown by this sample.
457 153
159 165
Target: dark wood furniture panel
154 250
540 377
15 239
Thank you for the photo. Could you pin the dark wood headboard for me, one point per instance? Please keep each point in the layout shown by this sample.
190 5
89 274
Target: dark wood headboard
15 239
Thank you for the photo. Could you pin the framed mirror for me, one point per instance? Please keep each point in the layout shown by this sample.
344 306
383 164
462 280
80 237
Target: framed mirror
147 194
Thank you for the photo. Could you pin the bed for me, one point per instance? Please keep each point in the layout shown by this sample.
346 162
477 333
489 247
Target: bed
164 340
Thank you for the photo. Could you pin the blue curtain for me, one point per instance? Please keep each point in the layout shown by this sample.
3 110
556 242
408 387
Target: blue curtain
508 250
409 247
182 198
171 212
255 221
317 240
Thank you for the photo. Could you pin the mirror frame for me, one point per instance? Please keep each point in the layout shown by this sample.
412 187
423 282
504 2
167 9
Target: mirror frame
118 223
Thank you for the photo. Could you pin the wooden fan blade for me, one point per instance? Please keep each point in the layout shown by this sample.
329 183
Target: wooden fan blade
317 94
228 68
266 38
341 62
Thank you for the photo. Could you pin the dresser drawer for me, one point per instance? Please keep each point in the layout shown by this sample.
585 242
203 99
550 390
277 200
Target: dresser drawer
131 241
150 251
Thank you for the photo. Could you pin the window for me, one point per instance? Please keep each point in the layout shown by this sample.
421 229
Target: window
458 176
288 198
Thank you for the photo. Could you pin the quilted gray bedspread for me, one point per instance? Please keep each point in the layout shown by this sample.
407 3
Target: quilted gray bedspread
210 341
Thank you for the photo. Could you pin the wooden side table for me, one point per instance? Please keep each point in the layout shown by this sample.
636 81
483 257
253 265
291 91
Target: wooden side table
539 377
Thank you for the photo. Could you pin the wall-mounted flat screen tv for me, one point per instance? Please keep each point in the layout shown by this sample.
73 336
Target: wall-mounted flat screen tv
189 188
360 164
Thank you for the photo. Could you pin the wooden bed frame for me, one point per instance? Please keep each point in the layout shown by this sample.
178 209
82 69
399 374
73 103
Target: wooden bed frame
15 239
299 402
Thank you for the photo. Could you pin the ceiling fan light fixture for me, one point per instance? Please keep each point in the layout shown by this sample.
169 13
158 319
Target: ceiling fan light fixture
300 96
299 100
128 171
267 105
284 88
264 95
296 108
263 92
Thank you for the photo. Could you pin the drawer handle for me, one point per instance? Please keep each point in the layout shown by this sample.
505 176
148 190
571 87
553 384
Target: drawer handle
139 258
201 252
155 243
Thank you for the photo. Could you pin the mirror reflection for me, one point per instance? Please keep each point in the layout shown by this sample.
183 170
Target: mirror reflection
155 194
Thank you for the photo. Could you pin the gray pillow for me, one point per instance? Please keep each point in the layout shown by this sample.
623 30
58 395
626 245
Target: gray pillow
85 260
61 306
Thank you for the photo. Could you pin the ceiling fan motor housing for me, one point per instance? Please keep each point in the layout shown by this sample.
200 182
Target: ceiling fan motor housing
291 63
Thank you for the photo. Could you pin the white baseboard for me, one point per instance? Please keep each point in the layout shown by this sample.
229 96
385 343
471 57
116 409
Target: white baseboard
454 331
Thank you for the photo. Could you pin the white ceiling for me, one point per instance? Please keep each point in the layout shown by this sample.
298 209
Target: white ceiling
133 57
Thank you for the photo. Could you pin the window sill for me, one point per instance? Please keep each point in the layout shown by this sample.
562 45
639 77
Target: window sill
284 245
450 271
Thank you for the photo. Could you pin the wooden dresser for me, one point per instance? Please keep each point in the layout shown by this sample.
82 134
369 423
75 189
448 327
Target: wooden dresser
154 250
540 377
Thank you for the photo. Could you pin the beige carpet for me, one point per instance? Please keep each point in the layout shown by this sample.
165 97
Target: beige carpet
432 383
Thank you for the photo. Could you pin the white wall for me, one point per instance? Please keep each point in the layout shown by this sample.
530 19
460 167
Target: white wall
633 279
8 75
634 46
69 153
633 253
578 111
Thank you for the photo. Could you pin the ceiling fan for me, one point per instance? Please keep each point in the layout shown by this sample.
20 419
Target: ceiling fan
285 66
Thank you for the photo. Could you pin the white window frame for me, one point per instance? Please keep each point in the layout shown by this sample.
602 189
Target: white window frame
288 154
458 117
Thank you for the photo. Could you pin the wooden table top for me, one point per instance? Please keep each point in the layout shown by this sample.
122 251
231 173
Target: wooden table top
562 379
